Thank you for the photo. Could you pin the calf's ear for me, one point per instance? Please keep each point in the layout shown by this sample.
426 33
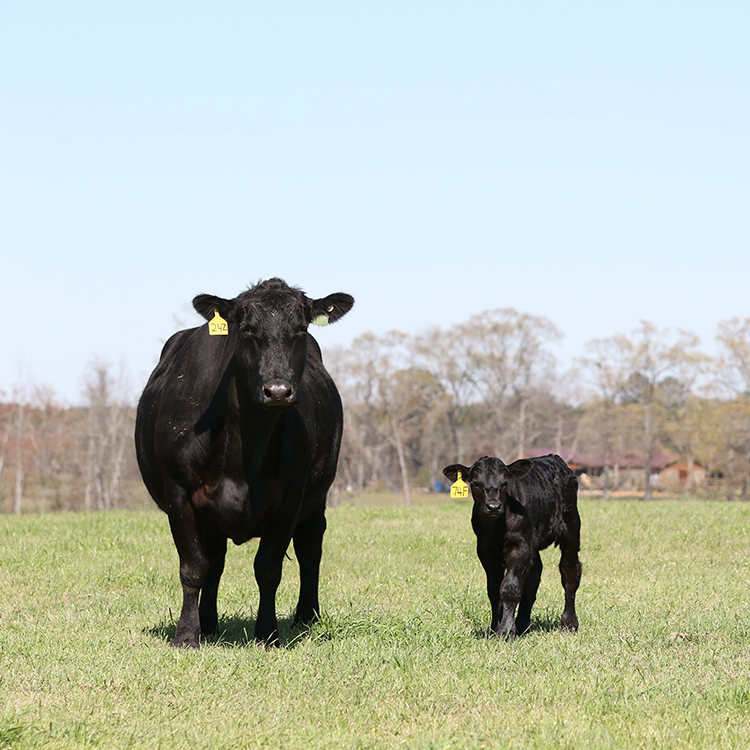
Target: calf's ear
520 468
329 309
205 304
452 471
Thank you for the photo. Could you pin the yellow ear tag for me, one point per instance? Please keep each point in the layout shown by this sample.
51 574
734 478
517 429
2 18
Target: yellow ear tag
320 320
459 488
217 326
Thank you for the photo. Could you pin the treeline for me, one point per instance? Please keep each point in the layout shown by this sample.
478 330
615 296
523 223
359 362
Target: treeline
635 403
632 406
54 457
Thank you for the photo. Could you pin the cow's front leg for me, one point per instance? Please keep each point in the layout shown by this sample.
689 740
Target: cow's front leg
193 568
269 561
216 551
308 546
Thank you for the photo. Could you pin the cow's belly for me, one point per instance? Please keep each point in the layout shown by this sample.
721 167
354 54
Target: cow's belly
241 511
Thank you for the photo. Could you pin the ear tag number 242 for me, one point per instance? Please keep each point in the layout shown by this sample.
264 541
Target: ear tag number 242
217 326
459 488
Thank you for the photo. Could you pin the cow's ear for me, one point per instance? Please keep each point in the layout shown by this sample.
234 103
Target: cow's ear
205 304
520 468
329 309
452 471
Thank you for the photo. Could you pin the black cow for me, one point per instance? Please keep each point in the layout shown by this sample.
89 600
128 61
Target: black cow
519 510
238 436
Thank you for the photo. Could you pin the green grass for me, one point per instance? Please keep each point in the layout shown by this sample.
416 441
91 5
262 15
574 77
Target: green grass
400 659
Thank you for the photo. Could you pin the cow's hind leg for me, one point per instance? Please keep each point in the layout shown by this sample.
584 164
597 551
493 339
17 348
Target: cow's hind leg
193 569
308 546
215 545
531 586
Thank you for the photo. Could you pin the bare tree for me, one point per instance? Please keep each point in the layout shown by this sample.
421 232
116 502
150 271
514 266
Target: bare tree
446 354
47 428
608 368
734 374
634 369
20 430
107 437
508 360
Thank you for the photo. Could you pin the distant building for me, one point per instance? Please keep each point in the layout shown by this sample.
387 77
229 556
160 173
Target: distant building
626 471
677 476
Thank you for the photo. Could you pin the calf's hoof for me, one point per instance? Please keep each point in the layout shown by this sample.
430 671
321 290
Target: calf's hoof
509 634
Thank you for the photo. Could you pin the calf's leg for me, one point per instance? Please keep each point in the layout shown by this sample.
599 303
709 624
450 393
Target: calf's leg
520 560
570 565
570 544
523 619
570 574
494 570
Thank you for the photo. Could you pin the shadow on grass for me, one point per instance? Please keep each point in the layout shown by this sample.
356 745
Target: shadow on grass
235 631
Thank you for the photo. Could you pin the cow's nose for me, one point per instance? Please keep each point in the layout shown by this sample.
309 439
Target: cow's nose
277 392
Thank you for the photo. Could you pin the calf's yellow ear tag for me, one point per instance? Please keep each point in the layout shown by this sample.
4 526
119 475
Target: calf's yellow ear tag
217 326
459 488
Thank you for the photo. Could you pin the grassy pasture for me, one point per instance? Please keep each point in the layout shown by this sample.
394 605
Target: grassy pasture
401 659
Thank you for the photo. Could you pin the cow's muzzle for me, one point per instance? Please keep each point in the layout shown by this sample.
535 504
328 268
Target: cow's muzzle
278 393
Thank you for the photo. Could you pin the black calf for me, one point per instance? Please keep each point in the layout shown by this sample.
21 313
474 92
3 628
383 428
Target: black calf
519 510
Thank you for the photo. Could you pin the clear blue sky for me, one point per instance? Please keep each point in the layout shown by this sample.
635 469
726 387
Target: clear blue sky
584 161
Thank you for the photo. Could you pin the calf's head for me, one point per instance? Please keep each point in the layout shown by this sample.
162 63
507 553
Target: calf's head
268 327
488 479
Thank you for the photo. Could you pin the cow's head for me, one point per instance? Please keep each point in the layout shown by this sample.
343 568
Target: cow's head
268 324
488 478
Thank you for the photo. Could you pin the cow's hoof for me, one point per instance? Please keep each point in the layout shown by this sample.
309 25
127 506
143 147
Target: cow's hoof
268 643
185 641
305 619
